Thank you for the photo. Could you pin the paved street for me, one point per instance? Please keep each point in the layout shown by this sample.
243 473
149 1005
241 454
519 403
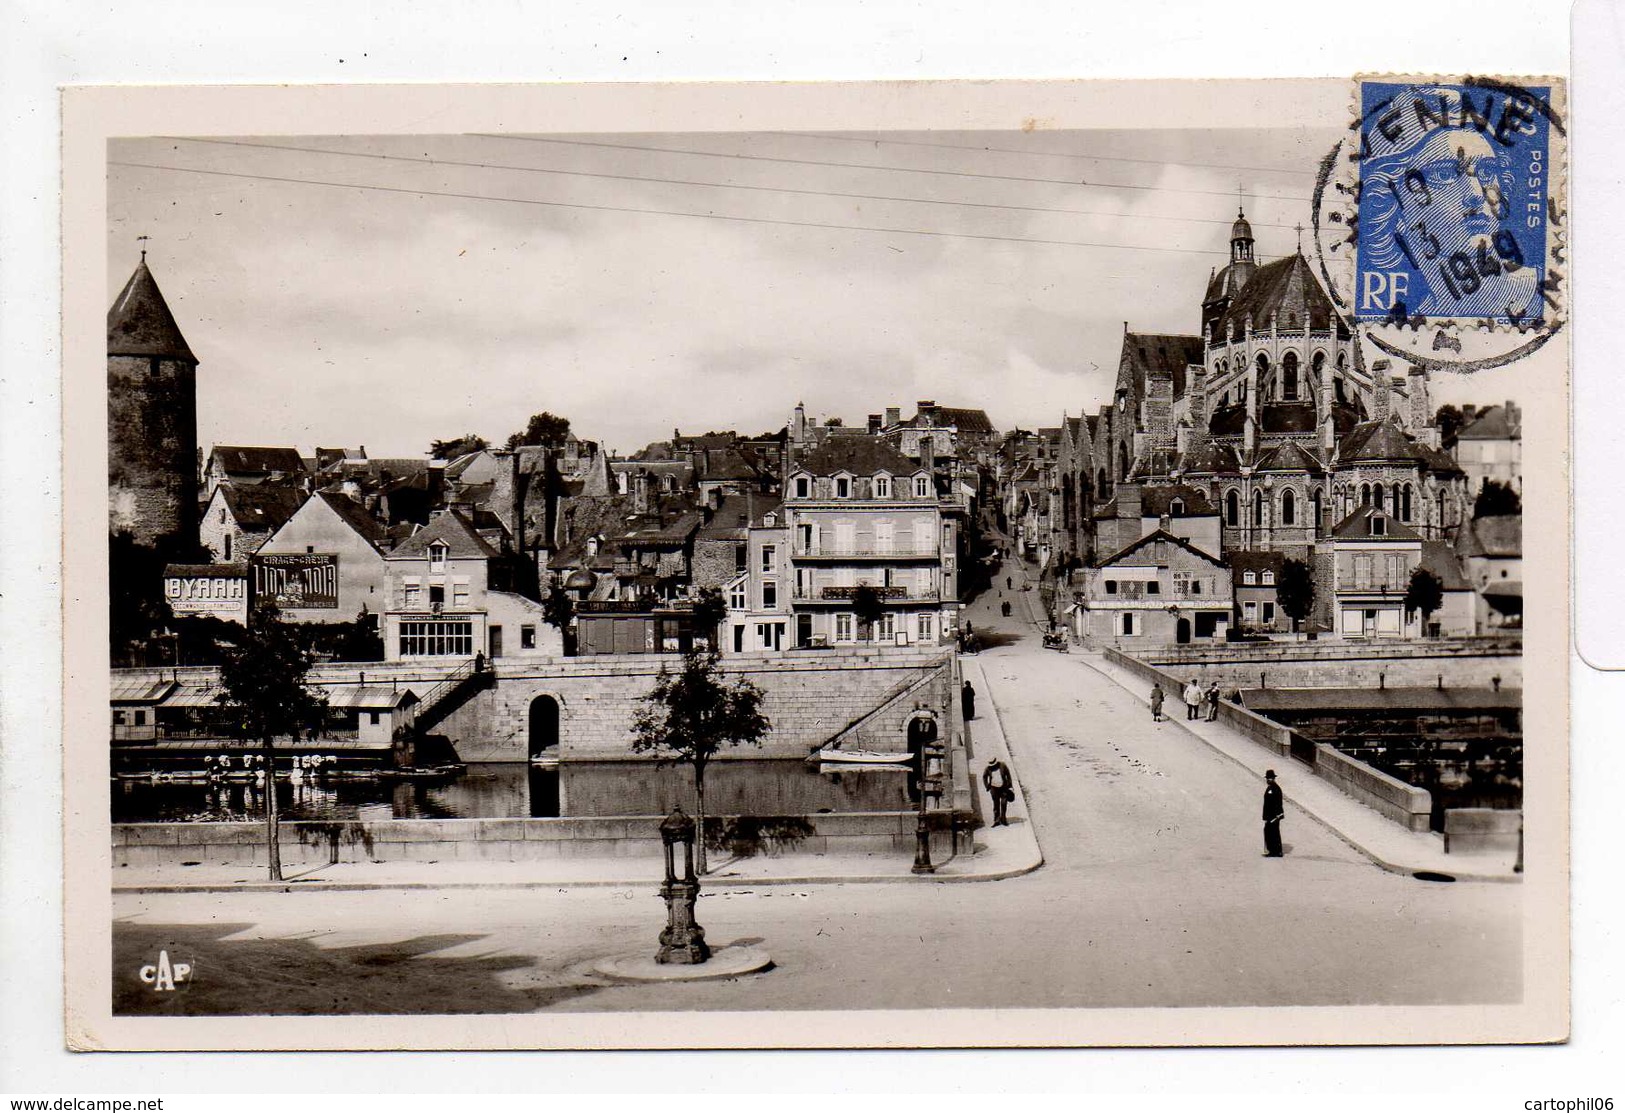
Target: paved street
1154 893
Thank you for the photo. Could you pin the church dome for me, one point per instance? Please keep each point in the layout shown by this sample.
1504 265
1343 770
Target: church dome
1241 230
581 580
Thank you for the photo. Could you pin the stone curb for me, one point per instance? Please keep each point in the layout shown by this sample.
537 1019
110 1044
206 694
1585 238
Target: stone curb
1371 855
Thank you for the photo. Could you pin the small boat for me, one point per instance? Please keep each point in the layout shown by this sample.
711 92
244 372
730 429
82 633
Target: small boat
860 757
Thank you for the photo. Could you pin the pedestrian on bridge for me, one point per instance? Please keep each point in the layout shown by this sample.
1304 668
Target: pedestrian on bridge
1213 701
1156 703
1274 812
1193 700
1000 789
967 701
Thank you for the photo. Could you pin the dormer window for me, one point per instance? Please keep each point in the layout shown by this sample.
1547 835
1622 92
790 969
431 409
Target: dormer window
843 487
1176 508
882 486
803 486
1269 579
770 520
1379 526
1249 577
922 487
437 557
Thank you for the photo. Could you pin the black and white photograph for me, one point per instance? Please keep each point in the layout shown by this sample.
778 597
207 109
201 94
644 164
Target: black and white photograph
1033 570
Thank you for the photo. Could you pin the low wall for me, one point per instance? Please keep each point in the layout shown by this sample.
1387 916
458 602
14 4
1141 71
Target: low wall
1481 830
487 840
1408 806
1462 662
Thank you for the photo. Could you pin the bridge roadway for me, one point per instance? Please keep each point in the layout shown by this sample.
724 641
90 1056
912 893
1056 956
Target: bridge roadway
1154 893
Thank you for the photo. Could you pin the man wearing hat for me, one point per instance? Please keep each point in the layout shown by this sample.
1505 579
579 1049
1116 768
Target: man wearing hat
1000 790
1274 810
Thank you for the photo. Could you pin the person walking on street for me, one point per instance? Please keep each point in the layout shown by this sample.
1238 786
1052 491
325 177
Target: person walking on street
967 701
1000 789
1274 810
1156 703
1193 699
1213 701
1009 583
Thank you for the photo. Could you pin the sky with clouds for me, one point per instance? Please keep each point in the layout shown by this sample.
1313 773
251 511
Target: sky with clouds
388 291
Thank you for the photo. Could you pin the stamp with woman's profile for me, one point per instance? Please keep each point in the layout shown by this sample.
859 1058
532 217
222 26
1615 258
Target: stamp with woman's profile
1442 209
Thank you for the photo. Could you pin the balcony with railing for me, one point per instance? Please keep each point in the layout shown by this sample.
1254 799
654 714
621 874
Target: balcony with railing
903 551
895 593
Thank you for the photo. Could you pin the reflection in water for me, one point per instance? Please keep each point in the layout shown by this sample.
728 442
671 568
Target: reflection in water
518 789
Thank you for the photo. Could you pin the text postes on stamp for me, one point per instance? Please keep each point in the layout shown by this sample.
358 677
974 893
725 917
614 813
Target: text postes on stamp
1439 220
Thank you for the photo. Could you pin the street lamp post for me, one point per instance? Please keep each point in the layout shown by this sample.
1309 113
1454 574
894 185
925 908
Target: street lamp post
683 940
922 830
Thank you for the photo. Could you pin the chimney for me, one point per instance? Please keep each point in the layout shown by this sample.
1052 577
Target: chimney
928 456
518 505
874 424
894 416
1128 501
640 492
1514 420
1196 392
1380 387
927 410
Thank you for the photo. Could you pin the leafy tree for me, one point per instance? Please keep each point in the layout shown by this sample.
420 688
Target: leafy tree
710 608
1425 593
1295 590
834 423
264 694
868 606
557 607
1496 498
692 714
1449 421
545 428
458 446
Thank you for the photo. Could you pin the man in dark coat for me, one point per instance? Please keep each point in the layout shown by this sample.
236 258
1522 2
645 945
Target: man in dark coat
1274 810
1000 789
967 701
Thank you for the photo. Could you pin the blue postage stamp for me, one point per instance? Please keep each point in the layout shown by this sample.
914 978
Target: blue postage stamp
1454 181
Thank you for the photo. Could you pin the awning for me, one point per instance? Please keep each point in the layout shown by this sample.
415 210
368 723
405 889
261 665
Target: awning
350 697
139 690
203 696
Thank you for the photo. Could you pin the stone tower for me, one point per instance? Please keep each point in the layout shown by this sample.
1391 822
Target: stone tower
152 454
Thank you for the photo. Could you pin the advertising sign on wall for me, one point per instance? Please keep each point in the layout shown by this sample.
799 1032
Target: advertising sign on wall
220 590
297 581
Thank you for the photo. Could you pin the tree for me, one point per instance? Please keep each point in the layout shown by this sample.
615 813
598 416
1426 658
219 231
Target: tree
458 446
544 428
710 608
692 714
1425 593
557 607
264 695
1449 421
1496 498
868 606
1295 590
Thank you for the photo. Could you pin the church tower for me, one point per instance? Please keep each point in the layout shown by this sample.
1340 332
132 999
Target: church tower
152 453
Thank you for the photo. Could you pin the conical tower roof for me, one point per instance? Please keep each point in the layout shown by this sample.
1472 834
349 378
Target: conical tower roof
140 323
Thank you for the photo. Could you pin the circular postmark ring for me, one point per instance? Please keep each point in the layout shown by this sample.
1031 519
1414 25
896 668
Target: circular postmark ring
1465 134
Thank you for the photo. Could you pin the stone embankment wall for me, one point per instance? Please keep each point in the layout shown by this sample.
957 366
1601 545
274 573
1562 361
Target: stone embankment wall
1462 662
449 841
810 697
1404 804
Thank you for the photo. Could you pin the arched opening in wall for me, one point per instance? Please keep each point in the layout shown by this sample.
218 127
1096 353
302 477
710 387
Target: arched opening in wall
1377 497
1315 501
544 726
1438 519
1266 386
1289 377
1258 507
1102 484
1182 632
1232 508
1122 460
922 739
1289 508
1317 364
1365 494
1405 503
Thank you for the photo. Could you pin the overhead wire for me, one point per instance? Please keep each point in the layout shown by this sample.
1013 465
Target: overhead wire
429 160
420 192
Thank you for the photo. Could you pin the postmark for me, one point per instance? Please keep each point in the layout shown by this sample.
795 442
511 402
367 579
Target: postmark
1440 220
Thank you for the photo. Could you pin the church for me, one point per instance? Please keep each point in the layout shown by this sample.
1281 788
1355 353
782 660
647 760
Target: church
1267 416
